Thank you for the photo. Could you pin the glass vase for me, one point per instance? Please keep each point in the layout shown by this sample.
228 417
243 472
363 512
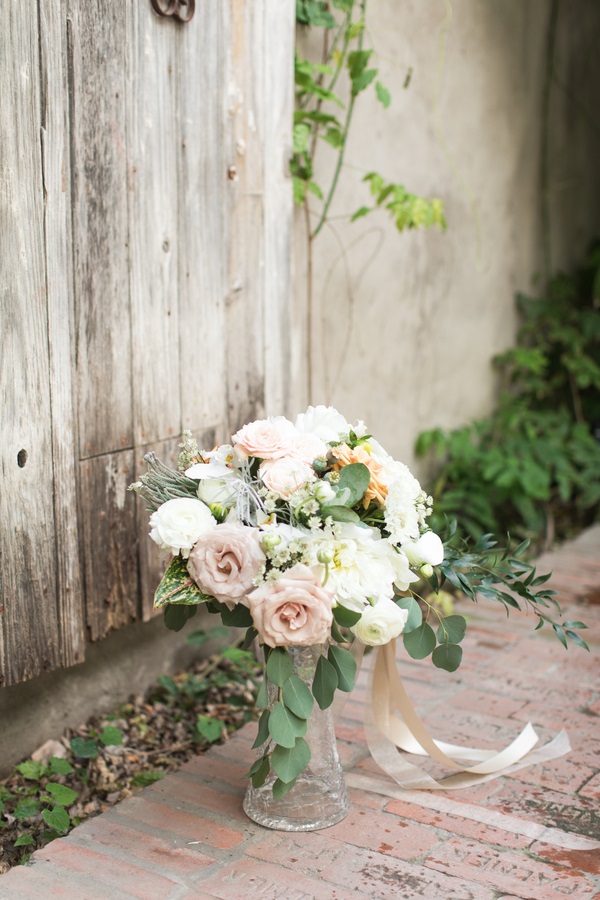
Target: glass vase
319 798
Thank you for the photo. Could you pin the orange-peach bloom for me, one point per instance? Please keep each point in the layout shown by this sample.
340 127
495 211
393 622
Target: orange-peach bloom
377 489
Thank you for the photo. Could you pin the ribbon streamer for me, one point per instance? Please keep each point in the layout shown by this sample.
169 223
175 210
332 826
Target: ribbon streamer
387 733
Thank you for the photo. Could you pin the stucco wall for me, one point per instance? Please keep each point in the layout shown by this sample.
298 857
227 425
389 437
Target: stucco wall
403 327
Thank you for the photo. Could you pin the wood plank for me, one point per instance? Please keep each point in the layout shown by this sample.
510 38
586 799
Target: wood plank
245 237
275 123
55 149
203 184
109 541
28 617
153 147
100 182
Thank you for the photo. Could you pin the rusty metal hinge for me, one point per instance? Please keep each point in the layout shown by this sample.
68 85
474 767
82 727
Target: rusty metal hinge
180 10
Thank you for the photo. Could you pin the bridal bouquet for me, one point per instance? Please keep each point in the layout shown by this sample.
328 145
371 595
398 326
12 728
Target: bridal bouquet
309 532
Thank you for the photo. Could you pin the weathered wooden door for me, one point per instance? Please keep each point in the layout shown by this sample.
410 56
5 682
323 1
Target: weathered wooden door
145 273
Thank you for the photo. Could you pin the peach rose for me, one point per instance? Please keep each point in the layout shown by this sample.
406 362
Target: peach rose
308 447
225 562
269 438
295 609
377 489
284 476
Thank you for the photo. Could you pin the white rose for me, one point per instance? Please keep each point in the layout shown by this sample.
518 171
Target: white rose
178 523
428 549
285 476
380 623
324 421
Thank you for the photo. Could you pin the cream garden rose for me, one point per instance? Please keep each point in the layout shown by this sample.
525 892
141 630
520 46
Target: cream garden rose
295 609
225 562
380 623
269 438
285 476
179 523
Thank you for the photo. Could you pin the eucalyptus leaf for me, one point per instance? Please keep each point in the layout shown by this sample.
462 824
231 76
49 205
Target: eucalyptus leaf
284 727
279 666
175 615
289 762
297 697
345 666
452 630
355 478
263 730
415 615
340 514
262 698
345 617
280 788
325 683
420 642
447 656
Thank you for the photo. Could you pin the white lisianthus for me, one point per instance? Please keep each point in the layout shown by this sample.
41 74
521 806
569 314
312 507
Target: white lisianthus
323 492
427 550
179 523
363 565
404 577
324 421
380 623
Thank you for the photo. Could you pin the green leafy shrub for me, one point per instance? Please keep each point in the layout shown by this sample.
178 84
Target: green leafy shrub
532 467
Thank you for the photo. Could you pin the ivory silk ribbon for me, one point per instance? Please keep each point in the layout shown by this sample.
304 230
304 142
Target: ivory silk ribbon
387 733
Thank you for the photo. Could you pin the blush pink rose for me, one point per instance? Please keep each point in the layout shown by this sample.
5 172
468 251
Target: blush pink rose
308 447
284 476
295 609
266 438
225 562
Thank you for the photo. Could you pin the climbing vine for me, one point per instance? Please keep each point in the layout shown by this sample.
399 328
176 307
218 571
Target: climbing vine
326 94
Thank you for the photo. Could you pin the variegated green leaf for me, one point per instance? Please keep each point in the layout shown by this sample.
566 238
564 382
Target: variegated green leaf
177 586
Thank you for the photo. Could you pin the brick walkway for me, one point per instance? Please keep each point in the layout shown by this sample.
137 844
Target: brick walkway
535 834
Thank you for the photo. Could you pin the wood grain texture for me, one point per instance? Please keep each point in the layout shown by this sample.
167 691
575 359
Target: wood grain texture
98 76
145 275
276 121
55 168
203 196
110 542
245 232
152 141
28 615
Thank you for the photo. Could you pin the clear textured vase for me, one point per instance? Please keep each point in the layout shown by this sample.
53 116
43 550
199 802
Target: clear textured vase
319 798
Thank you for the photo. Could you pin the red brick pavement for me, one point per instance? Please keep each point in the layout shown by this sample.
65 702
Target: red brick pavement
533 834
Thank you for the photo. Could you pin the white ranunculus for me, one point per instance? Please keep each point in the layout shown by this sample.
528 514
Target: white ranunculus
428 549
324 421
178 523
380 623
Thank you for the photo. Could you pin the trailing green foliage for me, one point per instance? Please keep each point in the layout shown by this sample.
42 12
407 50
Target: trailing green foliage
282 727
323 116
532 467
